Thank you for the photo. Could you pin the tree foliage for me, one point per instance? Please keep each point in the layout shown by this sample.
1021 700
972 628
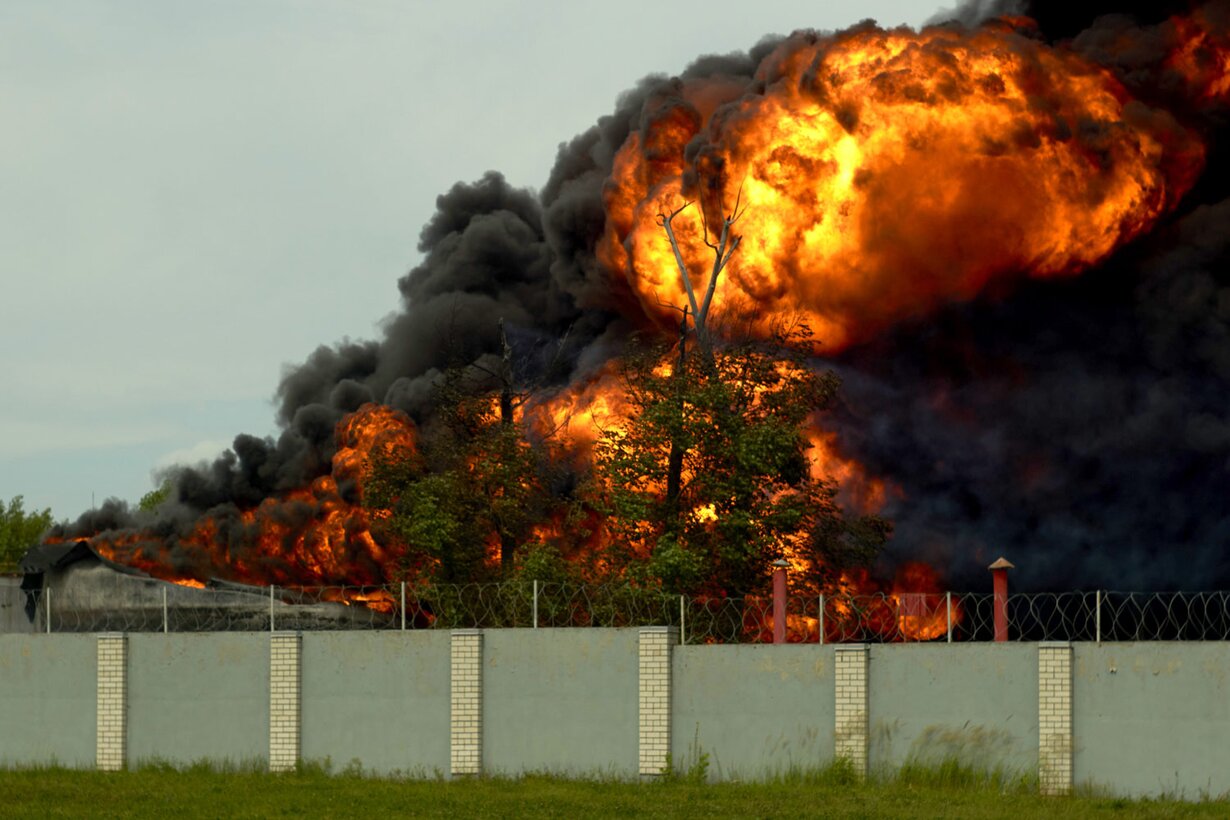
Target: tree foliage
746 495
478 489
19 530
150 501
725 428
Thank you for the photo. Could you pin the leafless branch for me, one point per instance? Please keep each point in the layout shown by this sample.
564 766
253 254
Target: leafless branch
666 221
670 306
723 250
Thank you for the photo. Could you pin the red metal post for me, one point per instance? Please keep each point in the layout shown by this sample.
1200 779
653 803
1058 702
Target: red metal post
999 579
779 600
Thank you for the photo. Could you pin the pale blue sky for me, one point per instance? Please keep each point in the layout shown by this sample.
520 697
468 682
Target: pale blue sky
197 194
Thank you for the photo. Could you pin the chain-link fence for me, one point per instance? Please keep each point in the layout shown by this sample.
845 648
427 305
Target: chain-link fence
966 617
217 608
122 603
125 604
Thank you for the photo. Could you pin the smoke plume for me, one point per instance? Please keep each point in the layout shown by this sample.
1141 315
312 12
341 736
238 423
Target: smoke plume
1077 424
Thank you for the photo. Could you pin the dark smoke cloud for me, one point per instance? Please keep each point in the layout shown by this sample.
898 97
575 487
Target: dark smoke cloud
485 259
572 198
1079 427
973 12
1063 20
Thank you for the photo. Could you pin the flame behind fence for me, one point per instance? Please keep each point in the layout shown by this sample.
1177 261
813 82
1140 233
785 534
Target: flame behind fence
878 618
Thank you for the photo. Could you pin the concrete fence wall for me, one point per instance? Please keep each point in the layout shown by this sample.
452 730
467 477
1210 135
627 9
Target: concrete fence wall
1153 718
753 709
976 702
381 698
12 607
1133 718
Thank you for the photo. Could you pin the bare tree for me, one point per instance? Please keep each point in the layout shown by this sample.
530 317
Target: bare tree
516 387
723 249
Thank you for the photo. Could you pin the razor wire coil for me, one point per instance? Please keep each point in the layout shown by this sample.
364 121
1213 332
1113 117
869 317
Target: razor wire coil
151 606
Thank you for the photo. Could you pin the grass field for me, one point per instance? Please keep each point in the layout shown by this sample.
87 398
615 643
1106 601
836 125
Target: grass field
205 791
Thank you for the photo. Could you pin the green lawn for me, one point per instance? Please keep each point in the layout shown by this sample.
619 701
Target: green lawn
206 792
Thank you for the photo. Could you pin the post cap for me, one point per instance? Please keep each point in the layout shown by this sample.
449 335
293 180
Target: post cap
1002 563
781 562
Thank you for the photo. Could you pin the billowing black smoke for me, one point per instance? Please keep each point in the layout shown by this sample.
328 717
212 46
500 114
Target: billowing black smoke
491 252
1080 427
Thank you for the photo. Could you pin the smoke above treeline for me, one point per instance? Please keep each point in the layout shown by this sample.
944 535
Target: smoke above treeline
1078 425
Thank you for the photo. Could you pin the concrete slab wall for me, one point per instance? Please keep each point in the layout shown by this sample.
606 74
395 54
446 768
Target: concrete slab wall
47 699
1138 718
13 619
755 710
198 697
1152 718
560 700
376 699
977 703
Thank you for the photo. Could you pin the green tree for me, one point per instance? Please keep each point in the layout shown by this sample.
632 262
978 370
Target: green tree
19 530
478 487
153 498
737 413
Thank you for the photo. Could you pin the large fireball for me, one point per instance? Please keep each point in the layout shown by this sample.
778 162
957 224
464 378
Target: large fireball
883 173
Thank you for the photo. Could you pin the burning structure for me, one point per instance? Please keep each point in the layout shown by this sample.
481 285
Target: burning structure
1008 236
93 594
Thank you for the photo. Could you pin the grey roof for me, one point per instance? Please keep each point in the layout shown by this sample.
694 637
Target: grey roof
43 557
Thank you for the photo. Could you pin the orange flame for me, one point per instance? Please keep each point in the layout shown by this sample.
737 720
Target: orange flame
856 609
585 410
1201 54
883 173
880 174
923 612
310 536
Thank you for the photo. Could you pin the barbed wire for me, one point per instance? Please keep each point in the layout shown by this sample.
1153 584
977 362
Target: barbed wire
136 604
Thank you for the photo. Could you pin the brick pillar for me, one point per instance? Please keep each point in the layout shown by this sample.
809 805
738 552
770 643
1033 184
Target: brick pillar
850 730
466 702
1055 717
654 703
111 742
284 678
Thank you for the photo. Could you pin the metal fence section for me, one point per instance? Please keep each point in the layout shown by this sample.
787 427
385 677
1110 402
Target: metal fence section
13 617
877 618
118 603
219 609
124 604
965 617
534 604
1120 616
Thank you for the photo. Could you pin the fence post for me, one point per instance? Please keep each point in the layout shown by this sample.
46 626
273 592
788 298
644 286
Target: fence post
1055 717
654 647
111 728
850 715
1097 616
165 625
999 603
535 603
820 623
403 606
465 702
779 600
948 603
683 635
48 608
285 700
